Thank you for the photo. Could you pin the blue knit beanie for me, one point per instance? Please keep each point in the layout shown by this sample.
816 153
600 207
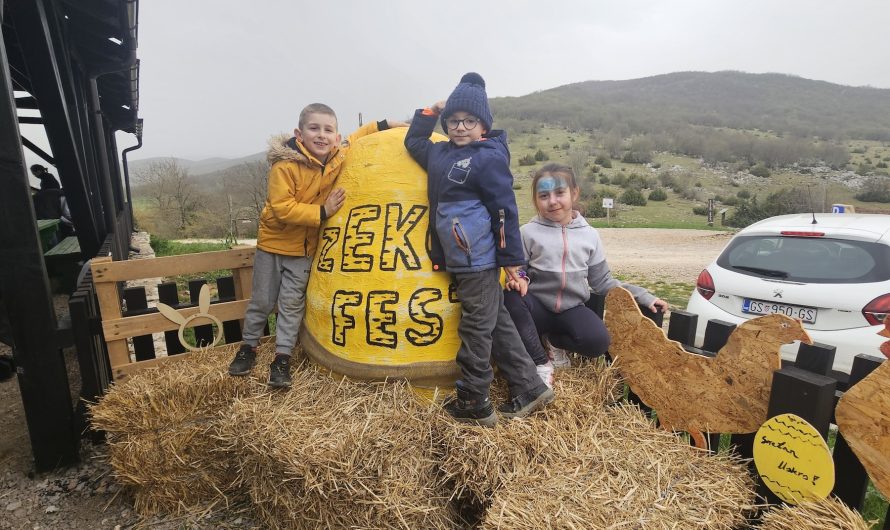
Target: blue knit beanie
469 96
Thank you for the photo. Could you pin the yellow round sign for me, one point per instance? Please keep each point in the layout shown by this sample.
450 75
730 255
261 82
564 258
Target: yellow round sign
793 460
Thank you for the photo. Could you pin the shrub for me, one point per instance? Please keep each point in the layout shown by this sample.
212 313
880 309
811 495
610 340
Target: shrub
730 201
882 165
603 161
619 179
700 210
565 146
876 189
594 169
656 165
540 156
864 169
743 194
667 179
633 197
604 179
517 186
637 157
593 208
760 171
527 160
658 194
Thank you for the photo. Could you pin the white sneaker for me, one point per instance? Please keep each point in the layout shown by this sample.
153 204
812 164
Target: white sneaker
545 372
558 356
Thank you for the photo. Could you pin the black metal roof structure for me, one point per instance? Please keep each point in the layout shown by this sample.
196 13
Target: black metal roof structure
73 61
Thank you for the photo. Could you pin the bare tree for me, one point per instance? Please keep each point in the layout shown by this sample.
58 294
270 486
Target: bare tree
578 160
171 191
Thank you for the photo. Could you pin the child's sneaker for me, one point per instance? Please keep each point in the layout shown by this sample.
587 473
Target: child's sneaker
244 360
545 372
558 356
279 372
470 408
527 402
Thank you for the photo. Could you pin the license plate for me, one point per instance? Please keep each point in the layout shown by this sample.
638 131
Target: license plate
760 307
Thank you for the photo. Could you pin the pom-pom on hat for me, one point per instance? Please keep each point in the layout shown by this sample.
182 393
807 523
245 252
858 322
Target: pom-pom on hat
469 96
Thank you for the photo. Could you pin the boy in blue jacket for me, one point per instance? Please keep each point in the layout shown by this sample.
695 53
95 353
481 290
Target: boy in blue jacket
474 228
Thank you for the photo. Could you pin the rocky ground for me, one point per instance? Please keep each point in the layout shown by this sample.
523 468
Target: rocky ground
87 496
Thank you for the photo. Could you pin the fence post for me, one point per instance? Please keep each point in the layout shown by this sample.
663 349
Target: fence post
716 334
168 294
225 287
817 358
682 326
137 302
850 478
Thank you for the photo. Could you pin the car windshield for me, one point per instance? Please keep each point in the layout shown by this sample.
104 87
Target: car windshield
808 259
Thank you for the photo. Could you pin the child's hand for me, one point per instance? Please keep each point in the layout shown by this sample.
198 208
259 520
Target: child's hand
658 306
334 201
396 123
438 107
515 282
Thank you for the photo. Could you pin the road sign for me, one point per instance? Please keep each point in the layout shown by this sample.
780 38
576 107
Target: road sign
608 203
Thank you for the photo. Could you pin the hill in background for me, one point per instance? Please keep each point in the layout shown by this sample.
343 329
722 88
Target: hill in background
780 103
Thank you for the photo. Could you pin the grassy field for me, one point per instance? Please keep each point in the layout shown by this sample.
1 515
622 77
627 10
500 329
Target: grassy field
676 211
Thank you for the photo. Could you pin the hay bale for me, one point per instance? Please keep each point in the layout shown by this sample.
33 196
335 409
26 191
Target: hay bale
333 454
161 427
582 464
829 513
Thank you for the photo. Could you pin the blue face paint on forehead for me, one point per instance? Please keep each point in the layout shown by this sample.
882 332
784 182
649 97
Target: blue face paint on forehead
550 183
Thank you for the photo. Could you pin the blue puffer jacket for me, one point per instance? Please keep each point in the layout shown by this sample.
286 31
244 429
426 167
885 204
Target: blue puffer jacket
472 205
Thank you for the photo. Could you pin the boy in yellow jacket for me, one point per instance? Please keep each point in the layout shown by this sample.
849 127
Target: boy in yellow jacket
300 196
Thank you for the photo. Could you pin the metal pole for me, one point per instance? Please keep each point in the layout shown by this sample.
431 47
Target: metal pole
127 170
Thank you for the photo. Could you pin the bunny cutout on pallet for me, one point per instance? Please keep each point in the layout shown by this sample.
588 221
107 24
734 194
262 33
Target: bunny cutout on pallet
203 312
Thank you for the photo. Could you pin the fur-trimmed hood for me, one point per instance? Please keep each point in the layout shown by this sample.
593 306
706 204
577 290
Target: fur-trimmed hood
284 147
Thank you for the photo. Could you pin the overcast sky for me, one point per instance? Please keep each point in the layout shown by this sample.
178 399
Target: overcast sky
218 78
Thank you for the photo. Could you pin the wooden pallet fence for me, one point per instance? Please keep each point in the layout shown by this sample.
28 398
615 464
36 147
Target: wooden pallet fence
139 322
807 387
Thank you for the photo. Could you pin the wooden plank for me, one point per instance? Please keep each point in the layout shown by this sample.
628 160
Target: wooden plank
863 417
117 329
851 479
69 245
108 271
110 309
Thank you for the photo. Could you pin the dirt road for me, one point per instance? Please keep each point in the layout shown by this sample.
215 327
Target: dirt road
660 254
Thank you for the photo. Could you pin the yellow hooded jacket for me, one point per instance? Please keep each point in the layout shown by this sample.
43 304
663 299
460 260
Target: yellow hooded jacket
298 185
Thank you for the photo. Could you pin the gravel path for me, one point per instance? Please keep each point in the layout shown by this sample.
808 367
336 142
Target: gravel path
87 497
659 254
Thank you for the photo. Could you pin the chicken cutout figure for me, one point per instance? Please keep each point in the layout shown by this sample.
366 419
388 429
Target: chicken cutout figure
694 393
863 417
203 312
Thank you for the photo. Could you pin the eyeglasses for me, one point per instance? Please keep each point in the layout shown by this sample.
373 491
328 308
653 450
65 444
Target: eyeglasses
469 123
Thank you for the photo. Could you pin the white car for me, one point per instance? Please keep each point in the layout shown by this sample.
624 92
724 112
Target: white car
830 271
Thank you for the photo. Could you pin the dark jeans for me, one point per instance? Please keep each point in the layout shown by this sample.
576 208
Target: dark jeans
578 329
487 333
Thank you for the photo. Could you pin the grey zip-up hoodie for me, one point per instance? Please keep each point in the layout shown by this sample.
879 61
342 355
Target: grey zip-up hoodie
566 262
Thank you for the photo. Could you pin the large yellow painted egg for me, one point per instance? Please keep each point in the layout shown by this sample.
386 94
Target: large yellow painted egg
374 307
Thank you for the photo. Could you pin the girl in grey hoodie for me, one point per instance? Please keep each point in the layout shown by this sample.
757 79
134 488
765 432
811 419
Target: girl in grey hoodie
566 261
